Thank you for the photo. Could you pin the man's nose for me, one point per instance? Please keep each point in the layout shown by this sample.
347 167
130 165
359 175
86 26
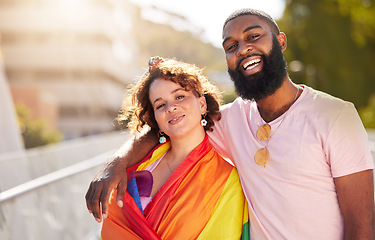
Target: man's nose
244 49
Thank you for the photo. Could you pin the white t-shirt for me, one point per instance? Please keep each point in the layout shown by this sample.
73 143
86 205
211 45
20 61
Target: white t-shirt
294 196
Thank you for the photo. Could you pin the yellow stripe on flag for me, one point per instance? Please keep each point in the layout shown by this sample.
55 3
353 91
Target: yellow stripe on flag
230 206
155 155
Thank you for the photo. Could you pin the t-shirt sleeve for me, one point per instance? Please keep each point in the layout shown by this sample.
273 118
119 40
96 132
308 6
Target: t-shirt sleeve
347 146
217 136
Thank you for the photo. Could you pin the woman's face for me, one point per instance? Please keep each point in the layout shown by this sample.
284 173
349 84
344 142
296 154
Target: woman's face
177 111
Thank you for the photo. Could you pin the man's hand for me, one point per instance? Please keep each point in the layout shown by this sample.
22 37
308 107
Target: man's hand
112 176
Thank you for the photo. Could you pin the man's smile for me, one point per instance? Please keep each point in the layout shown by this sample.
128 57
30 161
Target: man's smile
251 65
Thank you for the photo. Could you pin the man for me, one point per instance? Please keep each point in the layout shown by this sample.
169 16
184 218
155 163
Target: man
302 155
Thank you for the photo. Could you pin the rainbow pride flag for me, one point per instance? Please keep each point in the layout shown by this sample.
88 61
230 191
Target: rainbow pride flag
202 199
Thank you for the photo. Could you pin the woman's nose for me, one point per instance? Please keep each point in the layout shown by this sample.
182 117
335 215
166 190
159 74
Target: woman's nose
172 107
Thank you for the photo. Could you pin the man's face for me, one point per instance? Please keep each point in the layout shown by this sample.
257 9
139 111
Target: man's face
254 57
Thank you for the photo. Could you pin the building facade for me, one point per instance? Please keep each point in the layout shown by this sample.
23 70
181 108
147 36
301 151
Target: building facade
69 61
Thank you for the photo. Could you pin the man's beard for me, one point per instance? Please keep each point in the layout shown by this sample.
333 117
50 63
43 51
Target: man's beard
265 82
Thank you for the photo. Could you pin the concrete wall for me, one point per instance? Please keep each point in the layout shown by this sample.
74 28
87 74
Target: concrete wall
10 137
73 58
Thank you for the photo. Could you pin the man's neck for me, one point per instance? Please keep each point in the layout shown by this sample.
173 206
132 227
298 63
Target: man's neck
279 102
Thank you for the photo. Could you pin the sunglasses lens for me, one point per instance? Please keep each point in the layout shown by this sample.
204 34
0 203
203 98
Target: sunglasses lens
261 156
263 132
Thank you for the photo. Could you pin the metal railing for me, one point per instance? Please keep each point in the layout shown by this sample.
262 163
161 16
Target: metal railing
52 205
53 177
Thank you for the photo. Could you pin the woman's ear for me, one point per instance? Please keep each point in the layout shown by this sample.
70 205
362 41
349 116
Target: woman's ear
203 104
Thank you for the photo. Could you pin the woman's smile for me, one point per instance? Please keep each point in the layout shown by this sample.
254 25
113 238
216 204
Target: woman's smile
176 120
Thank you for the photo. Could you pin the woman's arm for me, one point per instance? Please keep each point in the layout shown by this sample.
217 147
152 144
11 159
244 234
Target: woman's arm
113 174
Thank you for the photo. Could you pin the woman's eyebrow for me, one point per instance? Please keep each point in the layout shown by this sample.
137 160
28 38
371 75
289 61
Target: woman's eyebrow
176 90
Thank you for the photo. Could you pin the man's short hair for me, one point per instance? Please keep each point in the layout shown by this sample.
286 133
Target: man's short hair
262 15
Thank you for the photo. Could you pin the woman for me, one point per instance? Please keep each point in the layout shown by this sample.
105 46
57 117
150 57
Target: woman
183 189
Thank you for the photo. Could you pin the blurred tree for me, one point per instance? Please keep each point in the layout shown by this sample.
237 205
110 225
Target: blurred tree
331 46
362 17
35 132
368 113
229 97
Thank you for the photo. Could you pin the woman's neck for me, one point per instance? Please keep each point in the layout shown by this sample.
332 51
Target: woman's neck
182 147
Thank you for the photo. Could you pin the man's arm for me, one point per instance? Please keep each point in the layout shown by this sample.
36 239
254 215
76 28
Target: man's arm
113 174
356 198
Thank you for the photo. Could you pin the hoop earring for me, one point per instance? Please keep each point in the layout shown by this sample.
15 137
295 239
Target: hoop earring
204 121
162 138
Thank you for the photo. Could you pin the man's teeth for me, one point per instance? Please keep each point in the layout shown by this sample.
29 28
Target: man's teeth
252 62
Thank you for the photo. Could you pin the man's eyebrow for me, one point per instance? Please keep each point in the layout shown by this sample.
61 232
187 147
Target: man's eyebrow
251 27
247 29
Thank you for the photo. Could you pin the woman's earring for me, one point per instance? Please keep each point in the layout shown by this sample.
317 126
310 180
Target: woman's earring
162 138
204 121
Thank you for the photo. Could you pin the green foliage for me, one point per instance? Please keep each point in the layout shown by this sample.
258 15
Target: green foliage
229 97
362 17
335 41
368 113
35 132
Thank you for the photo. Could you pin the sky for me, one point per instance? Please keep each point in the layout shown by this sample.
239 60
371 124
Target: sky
209 15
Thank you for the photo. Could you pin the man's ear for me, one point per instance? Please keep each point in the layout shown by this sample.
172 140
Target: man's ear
281 37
